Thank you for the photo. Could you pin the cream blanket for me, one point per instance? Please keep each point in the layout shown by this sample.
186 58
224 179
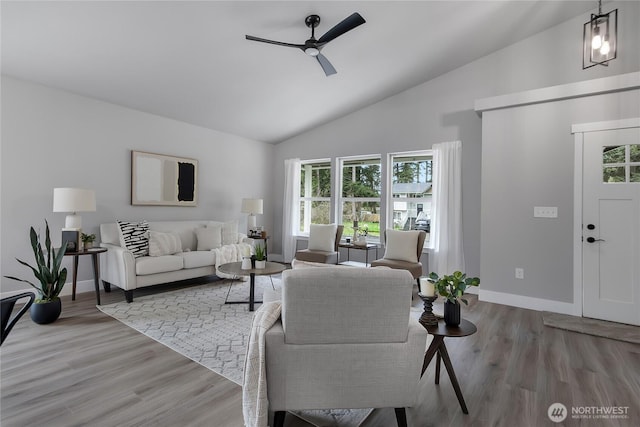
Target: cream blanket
255 406
230 253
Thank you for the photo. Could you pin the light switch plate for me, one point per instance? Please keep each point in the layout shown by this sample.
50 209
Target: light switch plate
545 212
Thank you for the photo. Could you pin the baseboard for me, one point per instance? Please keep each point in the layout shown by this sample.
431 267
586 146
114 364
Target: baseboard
81 286
531 303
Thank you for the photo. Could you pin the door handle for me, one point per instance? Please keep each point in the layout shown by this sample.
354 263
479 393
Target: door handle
592 240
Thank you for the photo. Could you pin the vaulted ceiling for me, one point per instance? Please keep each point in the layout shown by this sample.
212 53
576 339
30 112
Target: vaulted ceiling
189 60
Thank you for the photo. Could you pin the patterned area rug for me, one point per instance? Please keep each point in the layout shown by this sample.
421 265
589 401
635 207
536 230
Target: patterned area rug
196 323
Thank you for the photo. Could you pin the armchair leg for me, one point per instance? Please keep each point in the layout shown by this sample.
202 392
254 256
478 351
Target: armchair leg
401 417
128 295
278 418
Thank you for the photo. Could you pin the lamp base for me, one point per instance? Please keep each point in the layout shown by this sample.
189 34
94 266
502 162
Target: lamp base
251 221
73 221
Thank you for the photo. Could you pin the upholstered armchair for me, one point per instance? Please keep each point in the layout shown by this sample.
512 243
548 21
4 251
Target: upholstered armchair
323 244
402 251
344 340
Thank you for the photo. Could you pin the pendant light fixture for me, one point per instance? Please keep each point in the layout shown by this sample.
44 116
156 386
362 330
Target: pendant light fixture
599 38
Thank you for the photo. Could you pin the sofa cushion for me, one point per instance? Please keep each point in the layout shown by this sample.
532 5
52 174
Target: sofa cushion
230 233
195 259
402 245
322 237
134 236
159 264
209 237
164 243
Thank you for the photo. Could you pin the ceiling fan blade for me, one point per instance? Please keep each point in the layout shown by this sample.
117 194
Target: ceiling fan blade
258 39
347 24
326 65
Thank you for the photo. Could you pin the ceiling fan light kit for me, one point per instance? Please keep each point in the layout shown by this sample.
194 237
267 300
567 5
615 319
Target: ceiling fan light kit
312 47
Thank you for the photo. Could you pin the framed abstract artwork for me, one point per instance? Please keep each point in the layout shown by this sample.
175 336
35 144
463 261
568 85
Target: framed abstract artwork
162 180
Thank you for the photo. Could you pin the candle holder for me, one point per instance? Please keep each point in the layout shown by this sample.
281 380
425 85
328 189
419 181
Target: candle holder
428 318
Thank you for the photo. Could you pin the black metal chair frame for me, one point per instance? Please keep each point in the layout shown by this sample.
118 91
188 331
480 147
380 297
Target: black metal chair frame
7 308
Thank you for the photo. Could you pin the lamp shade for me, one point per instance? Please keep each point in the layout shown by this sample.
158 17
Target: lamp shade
74 200
252 206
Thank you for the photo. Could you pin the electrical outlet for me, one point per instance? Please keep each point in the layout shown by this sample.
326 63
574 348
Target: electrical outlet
545 212
519 273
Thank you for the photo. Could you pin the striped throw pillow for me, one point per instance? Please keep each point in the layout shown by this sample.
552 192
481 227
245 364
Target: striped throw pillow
134 236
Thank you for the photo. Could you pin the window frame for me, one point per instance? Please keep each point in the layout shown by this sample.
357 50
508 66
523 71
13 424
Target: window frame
308 200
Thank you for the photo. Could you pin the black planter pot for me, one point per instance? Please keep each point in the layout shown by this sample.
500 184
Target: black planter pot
46 312
452 313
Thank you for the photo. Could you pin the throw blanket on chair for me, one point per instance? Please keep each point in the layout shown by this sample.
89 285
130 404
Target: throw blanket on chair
230 253
255 406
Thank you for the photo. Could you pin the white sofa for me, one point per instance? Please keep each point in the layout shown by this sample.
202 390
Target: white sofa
122 269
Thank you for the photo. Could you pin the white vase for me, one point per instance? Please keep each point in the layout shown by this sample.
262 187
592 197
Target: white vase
246 263
260 264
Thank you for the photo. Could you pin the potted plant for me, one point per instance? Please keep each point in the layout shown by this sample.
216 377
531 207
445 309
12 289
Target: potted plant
261 261
50 275
87 240
452 287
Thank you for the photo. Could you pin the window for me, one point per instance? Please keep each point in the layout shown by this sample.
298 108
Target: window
411 191
315 194
359 204
621 163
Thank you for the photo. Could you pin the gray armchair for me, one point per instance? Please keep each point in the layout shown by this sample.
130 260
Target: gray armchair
402 251
323 244
345 341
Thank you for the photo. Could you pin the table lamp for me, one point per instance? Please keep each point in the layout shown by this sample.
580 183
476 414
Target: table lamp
252 207
73 200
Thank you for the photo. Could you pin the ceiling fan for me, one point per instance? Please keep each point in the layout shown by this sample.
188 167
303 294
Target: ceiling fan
312 47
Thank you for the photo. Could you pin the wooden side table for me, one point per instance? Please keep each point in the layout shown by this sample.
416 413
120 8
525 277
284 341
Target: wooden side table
94 252
366 248
440 332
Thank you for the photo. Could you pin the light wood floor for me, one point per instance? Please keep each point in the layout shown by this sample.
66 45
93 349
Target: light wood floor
88 369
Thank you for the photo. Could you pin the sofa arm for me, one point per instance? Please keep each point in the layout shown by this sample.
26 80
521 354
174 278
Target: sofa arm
118 267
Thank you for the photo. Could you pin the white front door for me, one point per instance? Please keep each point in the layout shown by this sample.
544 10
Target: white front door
611 225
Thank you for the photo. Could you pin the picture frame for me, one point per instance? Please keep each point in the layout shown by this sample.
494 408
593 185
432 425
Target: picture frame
163 180
71 239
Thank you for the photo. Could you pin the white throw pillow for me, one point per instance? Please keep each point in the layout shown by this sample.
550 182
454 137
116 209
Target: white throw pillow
208 238
402 245
322 237
164 243
230 233
134 236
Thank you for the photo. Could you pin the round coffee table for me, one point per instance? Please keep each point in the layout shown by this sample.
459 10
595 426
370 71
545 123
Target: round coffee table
235 269
439 332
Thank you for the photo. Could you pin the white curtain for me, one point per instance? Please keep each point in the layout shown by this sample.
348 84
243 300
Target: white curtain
447 255
290 217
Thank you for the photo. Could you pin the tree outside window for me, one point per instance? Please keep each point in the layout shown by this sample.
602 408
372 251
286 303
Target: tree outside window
360 196
315 194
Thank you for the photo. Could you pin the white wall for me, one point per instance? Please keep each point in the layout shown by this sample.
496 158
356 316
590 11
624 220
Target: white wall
52 138
443 110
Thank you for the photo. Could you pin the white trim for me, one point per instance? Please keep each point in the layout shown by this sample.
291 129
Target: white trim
577 222
633 122
81 286
556 93
526 302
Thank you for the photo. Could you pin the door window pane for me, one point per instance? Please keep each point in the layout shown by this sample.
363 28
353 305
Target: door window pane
614 154
634 153
635 174
613 174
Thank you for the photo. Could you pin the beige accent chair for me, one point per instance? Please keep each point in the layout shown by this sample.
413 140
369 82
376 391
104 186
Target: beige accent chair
323 244
331 351
402 251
